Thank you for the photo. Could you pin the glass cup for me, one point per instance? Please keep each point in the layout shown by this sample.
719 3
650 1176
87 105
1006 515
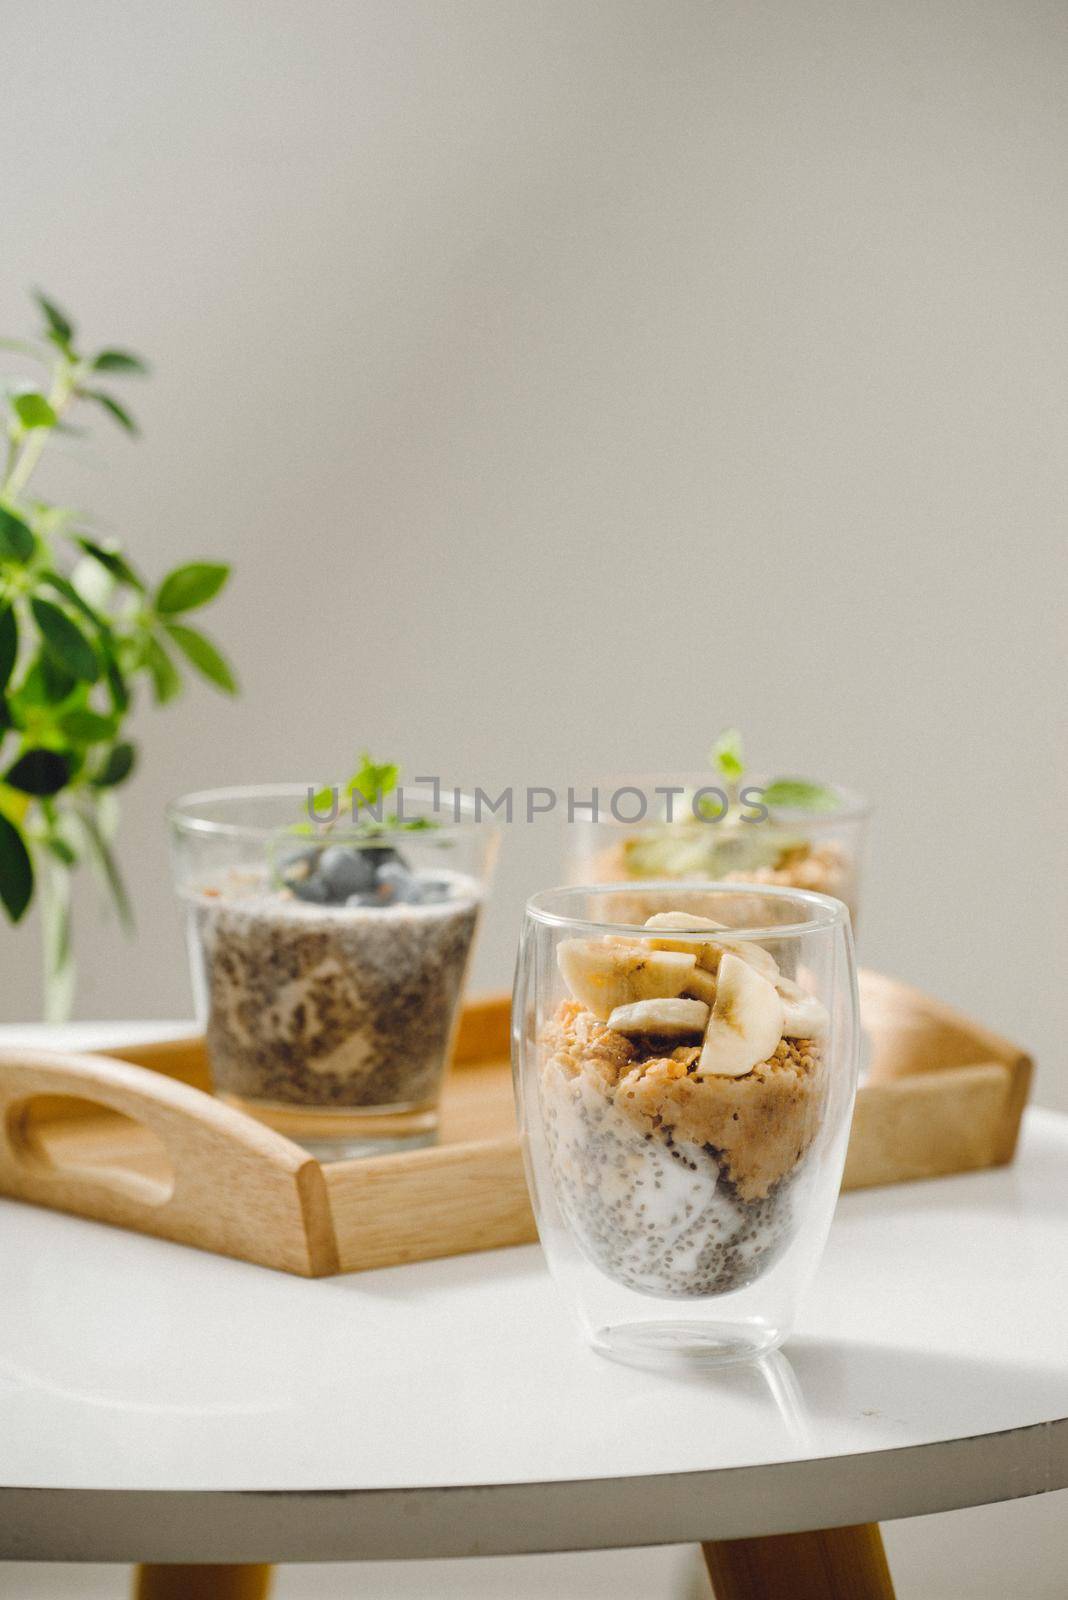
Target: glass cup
632 840
329 957
685 1060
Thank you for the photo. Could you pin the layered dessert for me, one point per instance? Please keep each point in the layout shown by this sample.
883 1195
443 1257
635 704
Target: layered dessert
331 979
682 1086
731 852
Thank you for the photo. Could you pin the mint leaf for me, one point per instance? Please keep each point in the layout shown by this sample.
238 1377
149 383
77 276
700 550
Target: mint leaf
17 542
191 586
799 795
65 641
373 780
39 772
33 411
204 655
726 755
120 361
16 870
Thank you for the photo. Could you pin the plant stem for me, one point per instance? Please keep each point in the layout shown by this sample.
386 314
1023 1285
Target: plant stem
58 970
29 454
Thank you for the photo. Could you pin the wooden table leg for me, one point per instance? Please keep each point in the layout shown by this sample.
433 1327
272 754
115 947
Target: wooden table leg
201 1583
830 1564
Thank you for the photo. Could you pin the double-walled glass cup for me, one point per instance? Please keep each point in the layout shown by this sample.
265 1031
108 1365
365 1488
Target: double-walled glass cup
329 957
685 828
685 1061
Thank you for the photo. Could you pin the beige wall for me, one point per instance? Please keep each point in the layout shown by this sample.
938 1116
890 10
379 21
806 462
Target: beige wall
568 380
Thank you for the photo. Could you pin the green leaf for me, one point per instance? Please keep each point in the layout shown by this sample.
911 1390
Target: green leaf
6 720
17 542
65 641
33 411
118 765
166 682
191 586
204 655
86 727
726 755
112 561
39 772
59 327
45 684
798 795
121 361
373 780
16 870
9 644
117 689
61 850
108 868
64 587
112 407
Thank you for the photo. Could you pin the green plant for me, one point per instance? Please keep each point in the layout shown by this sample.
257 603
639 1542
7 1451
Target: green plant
795 794
737 842
367 788
80 631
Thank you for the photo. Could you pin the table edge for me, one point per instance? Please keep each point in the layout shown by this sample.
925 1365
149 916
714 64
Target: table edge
242 1525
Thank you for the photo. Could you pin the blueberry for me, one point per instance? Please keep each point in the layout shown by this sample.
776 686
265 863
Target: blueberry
367 897
345 872
382 855
313 890
294 865
391 875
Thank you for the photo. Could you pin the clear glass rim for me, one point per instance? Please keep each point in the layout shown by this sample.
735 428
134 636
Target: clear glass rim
852 807
821 911
181 813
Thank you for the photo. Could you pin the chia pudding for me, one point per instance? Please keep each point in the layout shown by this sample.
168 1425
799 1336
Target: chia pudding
321 1006
682 1088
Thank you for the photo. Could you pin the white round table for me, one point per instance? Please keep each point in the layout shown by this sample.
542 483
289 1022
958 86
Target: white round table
162 1405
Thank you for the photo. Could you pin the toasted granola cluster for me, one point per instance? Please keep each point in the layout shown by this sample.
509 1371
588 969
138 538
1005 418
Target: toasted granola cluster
760 1125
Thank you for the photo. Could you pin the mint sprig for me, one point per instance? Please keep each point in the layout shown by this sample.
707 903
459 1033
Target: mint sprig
726 755
795 794
369 785
799 795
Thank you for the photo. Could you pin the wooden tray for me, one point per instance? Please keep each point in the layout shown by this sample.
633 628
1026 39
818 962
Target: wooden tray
132 1138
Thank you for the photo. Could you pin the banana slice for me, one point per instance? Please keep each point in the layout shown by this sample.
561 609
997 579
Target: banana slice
708 953
668 1019
804 1017
602 976
683 919
701 985
746 1021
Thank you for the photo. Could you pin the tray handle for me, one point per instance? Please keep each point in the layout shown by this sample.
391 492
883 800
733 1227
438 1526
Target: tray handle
193 1170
